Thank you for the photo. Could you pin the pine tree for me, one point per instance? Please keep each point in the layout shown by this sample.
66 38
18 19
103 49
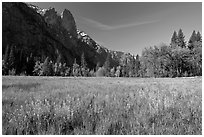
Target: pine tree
46 68
112 72
83 65
55 68
131 67
59 58
62 69
137 65
198 37
117 73
6 55
134 66
174 39
37 68
107 65
5 66
75 68
181 41
193 37
83 61
67 71
124 69
11 59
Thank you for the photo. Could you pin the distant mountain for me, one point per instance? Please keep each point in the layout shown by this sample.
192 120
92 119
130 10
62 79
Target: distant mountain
36 33
87 44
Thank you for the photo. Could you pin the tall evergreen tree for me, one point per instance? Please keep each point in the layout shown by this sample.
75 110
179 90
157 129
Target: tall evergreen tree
198 37
174 39
131 67
118 73
47 67
107 65
11 60
75 68
83 61
134 66
124 70
38 68
83 65
137 66
193 37
112 72
59 58
6 55
181 40
5 66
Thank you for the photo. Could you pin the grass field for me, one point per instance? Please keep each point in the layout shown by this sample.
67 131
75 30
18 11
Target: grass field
47 105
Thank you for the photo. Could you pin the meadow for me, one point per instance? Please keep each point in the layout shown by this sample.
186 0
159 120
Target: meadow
101 106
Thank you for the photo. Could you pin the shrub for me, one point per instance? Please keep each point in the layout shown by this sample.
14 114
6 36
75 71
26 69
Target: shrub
37 68
47 67
112 72
4 68
12 72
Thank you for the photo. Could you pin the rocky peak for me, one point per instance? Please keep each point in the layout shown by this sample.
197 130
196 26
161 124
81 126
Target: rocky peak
68 22
51 17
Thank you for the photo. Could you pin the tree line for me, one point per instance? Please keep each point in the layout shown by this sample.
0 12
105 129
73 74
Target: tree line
178 59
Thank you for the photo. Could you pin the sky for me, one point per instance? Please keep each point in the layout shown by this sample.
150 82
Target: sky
132 26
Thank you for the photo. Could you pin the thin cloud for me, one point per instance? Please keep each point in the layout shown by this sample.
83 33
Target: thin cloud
102 26
96 24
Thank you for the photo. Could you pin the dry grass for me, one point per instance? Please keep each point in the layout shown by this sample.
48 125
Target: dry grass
42 105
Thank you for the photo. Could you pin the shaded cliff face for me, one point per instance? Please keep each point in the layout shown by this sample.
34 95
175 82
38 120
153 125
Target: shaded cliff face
68 22
65 20
33 36
36 33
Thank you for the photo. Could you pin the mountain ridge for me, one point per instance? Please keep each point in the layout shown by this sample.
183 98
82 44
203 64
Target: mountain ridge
39 33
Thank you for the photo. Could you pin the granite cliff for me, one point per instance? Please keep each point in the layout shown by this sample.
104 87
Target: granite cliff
36 33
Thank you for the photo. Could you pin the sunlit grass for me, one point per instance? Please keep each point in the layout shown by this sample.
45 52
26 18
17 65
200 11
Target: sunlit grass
40 105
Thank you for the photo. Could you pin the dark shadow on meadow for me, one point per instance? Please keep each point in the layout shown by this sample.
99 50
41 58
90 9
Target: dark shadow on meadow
25 87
